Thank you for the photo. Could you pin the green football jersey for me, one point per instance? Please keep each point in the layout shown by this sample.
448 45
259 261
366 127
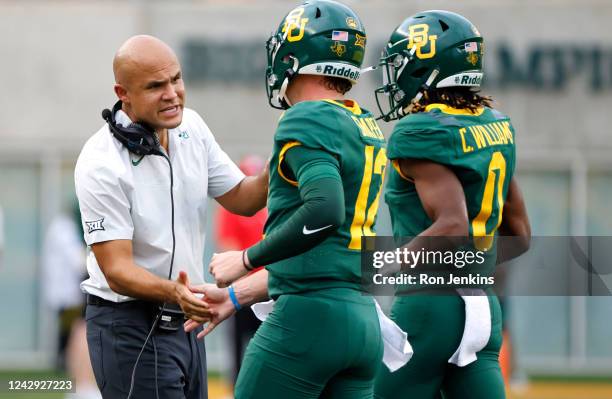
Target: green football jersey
480 150
351 135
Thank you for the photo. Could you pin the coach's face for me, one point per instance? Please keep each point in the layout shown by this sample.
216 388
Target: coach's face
150 82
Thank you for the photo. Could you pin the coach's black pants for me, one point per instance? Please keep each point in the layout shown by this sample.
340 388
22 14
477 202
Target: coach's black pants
115 335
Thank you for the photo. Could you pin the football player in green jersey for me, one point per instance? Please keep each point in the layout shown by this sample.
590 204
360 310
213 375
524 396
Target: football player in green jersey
453 159
323 337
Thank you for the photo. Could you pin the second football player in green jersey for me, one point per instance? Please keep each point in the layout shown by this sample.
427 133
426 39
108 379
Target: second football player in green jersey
453 160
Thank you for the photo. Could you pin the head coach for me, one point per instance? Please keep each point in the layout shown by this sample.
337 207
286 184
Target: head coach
142 182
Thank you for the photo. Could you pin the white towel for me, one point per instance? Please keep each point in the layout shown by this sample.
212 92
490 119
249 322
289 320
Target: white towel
397 351
263 309
396 348
477 330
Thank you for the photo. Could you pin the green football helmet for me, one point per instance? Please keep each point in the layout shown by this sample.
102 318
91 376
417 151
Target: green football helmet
319 37
429 49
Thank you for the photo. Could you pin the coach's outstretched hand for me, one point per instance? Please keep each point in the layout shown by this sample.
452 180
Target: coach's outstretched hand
192 306
227 267
220 304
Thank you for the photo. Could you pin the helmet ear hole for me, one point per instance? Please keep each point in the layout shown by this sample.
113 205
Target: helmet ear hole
444 25
318 13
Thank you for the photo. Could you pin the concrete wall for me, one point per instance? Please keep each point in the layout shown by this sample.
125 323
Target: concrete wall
56 57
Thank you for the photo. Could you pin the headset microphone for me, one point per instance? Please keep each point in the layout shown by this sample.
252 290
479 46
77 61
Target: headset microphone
106 114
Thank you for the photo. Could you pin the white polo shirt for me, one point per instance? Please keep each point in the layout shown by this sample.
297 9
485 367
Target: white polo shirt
123 196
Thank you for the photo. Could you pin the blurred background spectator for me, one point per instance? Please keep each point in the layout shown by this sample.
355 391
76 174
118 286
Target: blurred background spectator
63 269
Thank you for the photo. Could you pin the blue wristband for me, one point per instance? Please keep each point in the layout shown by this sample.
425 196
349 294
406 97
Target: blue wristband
233 298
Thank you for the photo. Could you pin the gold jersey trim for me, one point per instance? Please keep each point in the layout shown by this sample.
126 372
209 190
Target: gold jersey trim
350 105
454 111
396 166
281 157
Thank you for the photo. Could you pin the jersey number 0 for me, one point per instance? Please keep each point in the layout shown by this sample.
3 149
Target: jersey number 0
497 173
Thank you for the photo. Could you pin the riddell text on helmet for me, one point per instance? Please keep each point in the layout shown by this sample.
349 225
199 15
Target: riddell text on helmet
341 72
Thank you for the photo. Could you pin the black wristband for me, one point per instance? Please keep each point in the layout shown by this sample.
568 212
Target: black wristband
247 267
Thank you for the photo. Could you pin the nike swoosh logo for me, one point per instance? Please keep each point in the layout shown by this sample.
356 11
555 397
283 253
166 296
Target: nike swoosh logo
136 162
306 231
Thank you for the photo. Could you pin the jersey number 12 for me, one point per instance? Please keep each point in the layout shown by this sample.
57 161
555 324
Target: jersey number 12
362 221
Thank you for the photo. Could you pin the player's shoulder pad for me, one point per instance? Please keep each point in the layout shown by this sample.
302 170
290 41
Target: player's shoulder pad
313 123
497 114
420 136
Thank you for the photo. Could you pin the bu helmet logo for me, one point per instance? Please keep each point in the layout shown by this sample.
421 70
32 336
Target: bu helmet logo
419 37
293 22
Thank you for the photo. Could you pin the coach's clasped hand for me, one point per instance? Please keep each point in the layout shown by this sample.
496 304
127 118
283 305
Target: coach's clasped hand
193 307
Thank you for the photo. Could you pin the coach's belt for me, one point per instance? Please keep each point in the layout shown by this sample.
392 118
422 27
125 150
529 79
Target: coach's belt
97 301
171 319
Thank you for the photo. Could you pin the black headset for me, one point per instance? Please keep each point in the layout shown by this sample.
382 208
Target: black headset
139 138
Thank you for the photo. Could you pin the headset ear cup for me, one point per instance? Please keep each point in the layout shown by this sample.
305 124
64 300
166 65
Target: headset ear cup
138 138
142 126
148 135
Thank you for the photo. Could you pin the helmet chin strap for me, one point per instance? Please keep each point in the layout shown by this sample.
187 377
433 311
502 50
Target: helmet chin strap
281 93
427 84
283 89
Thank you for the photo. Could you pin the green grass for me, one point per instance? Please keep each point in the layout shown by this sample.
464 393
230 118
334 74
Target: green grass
570 379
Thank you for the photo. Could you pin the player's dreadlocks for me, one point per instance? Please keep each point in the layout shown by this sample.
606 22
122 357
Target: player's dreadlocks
340 85
456 97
